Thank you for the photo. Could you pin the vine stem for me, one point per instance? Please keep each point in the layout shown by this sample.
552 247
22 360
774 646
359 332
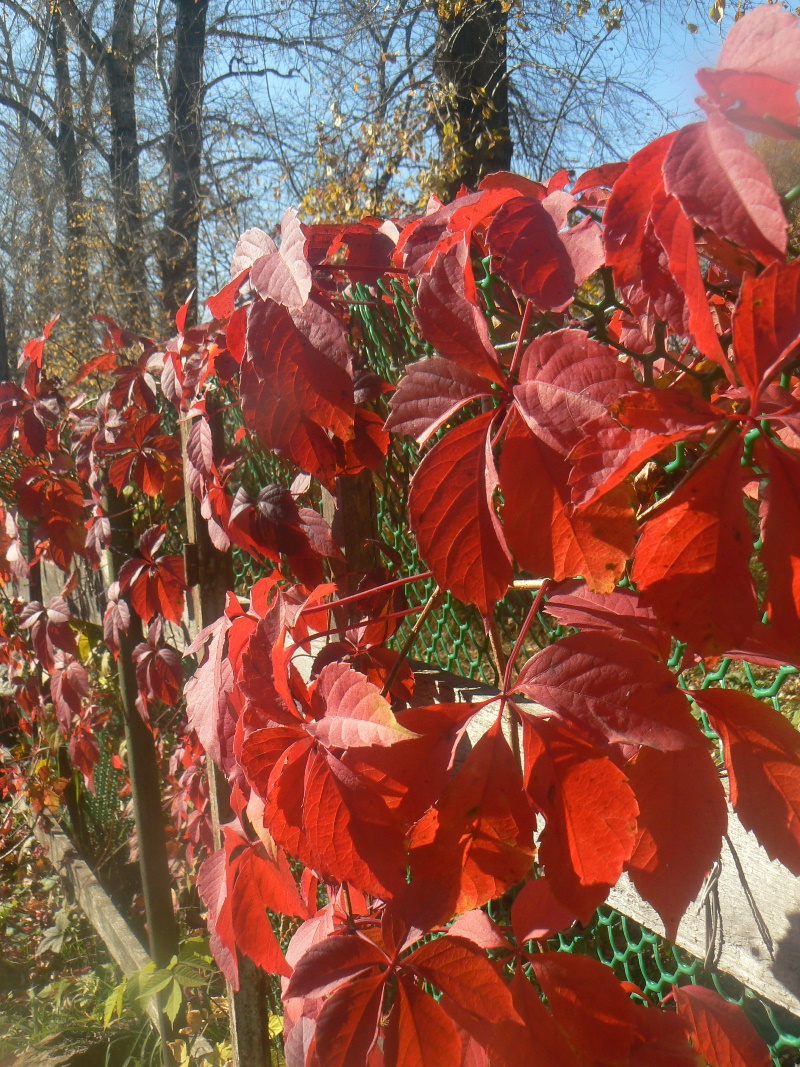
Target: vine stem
410 641
508 667
348 904
523 329
314 635
311 609
535 608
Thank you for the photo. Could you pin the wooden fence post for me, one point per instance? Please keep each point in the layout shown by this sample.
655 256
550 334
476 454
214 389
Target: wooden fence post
210 577
162 927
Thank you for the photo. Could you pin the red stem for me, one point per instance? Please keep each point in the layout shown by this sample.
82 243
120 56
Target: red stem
523 329
351 626
310 609
512 659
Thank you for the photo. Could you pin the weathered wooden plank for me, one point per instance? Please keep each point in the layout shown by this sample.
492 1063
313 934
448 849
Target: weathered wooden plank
757 906
122 944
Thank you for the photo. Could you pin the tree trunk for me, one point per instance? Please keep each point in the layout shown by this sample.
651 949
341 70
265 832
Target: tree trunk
472 71
5 369
127 192
184 156
145 776
69 158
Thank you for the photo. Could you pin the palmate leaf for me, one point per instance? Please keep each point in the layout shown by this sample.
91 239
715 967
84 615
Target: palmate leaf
477 841
318 806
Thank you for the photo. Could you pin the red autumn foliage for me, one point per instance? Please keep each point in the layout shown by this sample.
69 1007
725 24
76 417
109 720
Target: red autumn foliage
615 411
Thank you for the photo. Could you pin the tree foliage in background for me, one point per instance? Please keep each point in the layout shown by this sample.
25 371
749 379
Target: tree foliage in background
140 136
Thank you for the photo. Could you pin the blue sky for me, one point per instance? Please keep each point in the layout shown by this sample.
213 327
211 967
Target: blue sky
682 53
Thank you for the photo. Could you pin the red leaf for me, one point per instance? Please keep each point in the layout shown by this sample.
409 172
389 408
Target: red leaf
284 275
628 211
546 1044
590 812
464 974
270 881
477 927
200 455
766 326
212 886
116 619
548 538
223 304
477 841
453 518
766 41
296 384
420 1033
252 888
589 1005
429 395
682 817
252 245
613 689
649 420
722 185
676 234
347 1025
449 317
762 757
156 585
599 177
331 963
324 813
207 705
757 69
536 915
534 260
33 352
780 552
566 381
69 687
620 613
356 715
721 1032
692 559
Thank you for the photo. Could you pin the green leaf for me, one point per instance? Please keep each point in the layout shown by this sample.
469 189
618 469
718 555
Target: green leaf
173 1000
153 984
115 1002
